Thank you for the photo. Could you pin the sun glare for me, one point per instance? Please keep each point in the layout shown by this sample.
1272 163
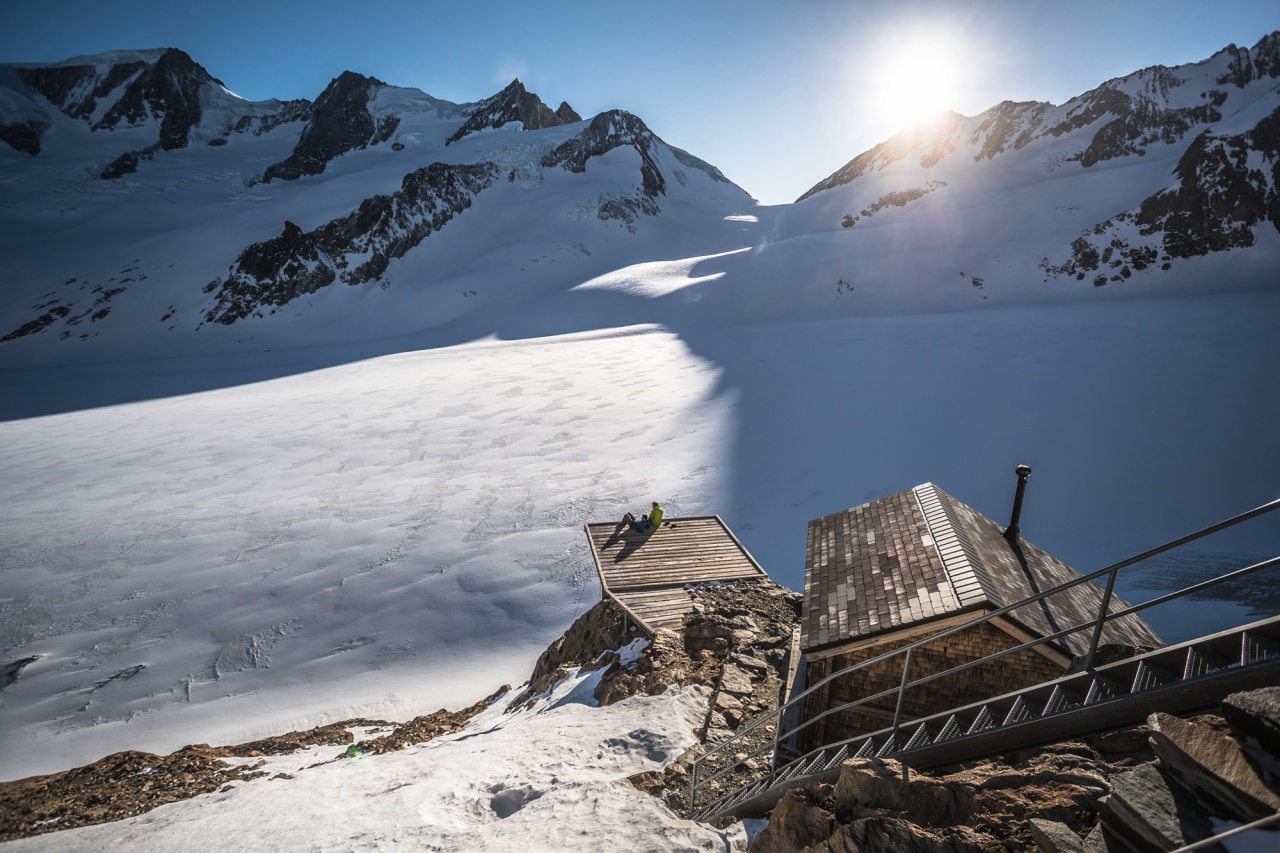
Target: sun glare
915 79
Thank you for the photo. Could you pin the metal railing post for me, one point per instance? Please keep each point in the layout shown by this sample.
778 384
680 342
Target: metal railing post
1098 626
693 786
902 689
1102 618
777 733
897 712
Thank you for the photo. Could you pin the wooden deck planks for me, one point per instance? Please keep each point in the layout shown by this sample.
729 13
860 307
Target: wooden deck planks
647 572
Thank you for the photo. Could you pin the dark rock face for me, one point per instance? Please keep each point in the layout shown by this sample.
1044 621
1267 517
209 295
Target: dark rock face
567 114
1226 187
39 324
290 111
1148 788
898 199
340 122
275 272
1255 714
1249 65
1008 126
167 89
1205 758
625 208
76 89
1220 198
125 164
24 136
1144 122
49 312
608 131
514 103
1131 114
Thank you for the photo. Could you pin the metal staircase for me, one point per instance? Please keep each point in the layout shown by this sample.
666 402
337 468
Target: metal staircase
1176 679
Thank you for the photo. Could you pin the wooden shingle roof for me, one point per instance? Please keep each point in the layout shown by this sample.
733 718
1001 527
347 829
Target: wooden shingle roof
921 555
647 572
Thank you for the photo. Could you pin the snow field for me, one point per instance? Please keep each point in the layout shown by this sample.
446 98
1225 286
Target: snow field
550 778
378 539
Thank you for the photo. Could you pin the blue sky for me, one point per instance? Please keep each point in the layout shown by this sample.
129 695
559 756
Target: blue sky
777 95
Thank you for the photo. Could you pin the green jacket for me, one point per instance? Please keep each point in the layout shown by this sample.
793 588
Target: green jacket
655 517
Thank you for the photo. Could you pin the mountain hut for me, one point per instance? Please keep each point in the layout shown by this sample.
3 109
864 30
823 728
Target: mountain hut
895 570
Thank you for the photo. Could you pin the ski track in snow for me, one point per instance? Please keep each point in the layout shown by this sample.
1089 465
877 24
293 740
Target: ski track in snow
381 539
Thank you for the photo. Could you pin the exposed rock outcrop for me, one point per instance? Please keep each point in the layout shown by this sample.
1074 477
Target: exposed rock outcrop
590 638
1122 117
288 112
1255 715
1146 789
340 122
163 85
133 783
1226 186
607 131
356 248
736 643
24 136
514 103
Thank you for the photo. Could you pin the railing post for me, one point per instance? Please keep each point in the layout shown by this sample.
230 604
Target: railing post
897 712
777 733
1102 618
693 787
902 689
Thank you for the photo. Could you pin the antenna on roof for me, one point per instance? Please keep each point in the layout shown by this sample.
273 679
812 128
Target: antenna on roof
1011 533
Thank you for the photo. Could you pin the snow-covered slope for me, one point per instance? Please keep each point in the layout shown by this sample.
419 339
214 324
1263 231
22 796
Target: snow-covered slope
149 209
363 540
549 778
1161 182
183 218
479 340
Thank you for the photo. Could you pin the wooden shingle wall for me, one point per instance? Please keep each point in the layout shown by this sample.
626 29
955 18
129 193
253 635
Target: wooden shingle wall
1011 672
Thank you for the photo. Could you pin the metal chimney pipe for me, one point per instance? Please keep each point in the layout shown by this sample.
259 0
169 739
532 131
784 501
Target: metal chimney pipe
1011 533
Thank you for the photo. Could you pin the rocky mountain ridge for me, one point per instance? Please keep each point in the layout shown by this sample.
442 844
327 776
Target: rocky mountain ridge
514 103
1220 114
244 207
140 87
1151 106
357 122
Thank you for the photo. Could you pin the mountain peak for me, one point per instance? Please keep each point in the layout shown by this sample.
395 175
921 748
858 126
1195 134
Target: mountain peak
514 103
123 88
340 122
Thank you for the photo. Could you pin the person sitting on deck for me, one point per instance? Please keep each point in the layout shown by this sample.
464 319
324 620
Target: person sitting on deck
647 522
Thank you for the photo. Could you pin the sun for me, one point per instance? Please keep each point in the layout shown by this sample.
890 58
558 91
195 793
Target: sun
914 79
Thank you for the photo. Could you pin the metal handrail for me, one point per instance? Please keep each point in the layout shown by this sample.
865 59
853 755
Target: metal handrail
1097 623
1230 833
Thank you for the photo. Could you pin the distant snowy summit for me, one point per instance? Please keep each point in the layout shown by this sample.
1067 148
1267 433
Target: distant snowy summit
1217 120
144 202
335 190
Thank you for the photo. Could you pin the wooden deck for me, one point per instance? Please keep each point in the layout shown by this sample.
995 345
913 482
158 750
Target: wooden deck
647 572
